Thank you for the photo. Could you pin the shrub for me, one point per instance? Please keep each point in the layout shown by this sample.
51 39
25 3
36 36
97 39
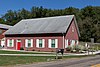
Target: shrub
69 48
33 50
21 48
78 48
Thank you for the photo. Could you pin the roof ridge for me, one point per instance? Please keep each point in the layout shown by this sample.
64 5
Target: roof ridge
48 17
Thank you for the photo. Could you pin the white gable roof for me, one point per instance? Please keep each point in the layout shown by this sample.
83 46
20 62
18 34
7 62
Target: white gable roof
58 24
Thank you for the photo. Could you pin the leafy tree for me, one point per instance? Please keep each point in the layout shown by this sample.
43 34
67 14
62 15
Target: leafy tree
88 18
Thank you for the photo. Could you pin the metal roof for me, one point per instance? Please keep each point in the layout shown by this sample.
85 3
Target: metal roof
5 26
58 24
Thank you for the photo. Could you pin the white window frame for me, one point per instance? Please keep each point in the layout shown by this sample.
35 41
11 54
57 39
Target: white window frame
72 42
26 43
37 43
77 42
66 43
73 29
8 42
49 43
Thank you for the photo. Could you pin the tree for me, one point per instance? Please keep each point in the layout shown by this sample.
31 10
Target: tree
88 18
2 21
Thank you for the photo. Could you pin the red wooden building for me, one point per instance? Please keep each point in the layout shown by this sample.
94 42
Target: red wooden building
3 28
43 34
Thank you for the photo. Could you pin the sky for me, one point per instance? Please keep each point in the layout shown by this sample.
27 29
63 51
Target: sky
6 5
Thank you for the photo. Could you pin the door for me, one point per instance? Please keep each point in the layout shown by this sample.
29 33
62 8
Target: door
18 44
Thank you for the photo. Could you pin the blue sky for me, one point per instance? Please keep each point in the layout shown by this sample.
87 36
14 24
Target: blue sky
6 5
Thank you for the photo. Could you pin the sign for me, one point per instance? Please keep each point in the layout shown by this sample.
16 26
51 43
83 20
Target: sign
92 40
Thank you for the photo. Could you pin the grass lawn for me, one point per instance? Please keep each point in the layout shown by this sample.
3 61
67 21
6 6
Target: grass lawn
17 52
97 47
13 60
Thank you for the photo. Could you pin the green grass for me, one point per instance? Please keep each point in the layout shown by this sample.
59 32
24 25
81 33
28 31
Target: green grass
97 47
17 52
14 60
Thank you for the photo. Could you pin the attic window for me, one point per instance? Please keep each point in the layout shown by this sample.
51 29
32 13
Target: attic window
72 28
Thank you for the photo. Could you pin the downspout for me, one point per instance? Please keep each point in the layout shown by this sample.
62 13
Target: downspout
63 40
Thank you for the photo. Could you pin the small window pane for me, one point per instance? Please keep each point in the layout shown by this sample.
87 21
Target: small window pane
40 42
19 40
29 43
53 43
10 42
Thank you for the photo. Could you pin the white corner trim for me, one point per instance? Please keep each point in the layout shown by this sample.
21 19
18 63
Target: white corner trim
56 43
49 43
37 43
43 43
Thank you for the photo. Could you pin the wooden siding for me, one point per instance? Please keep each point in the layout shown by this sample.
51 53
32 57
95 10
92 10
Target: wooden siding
70 35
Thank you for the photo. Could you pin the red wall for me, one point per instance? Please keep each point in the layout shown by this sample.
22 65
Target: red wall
69 35
34 43
72 35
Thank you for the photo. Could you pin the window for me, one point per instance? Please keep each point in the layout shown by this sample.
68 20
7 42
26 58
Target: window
53 43
40 43
72 42
66 43
29 43
72 28
18 40
10 42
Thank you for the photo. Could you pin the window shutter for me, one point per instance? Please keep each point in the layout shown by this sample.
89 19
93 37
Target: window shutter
26 43
31 42
70 42
7 42
12 42
77 42
56 43
73 42
49 43
37 42
43 43
66 43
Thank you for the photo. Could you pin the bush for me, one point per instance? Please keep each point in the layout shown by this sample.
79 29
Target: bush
69 48
21 48
76 48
